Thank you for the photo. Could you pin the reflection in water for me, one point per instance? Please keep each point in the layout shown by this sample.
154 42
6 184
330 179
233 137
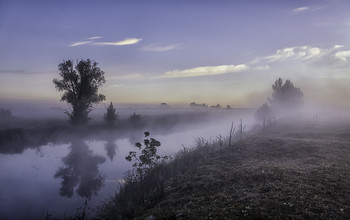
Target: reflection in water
111 149
80 171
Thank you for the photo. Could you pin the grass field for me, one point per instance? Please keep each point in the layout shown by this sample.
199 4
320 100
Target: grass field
292 170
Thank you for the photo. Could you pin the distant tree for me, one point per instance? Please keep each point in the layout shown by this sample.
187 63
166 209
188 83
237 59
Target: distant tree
285 95
135 119
195 105
164 105
264 115
218 106
228 107
80 83
111 115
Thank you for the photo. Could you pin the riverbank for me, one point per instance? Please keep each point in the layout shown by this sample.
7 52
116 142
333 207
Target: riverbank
296 170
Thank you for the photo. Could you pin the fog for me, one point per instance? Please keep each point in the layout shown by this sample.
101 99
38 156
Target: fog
43 157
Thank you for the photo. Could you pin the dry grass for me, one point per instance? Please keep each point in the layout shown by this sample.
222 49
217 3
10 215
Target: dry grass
298 171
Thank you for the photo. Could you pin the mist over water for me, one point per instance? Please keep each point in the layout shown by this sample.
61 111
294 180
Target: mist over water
60 172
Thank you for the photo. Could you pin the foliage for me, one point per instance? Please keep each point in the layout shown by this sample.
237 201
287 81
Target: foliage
80 83
285 95
264 115
110 116
148 159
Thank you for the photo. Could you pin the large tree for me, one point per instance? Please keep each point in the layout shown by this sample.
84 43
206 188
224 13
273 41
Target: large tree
285 95
80 82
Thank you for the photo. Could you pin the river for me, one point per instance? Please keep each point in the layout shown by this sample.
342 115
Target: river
57 178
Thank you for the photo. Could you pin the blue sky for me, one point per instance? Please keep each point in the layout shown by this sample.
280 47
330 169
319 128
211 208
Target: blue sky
216 52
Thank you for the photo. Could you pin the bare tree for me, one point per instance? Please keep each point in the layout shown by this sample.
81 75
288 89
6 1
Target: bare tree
80 83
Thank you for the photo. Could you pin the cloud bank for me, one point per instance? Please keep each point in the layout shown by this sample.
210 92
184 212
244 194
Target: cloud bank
301 53
308 54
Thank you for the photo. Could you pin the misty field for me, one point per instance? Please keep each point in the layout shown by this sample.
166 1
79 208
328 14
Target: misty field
293 170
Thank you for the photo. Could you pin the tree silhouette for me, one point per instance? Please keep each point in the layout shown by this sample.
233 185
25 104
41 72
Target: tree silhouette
80 83
111 115
285 95
80 171
111 149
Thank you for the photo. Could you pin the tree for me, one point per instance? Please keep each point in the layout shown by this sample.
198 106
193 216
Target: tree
285 95
164 105
135 119
111 115
264 115
80 83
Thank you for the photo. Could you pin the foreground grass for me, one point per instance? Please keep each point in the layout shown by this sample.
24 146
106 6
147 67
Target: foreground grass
290 171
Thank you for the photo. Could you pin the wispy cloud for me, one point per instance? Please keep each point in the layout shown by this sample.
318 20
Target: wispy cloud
25 72
308 8
300 9
126 41
129 76
206 71
264 67
157 48
94 38
90 41
79 43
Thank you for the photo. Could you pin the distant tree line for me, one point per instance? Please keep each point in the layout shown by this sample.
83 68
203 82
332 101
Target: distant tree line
204 106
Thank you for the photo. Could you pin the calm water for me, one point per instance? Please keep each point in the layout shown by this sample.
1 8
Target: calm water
58 178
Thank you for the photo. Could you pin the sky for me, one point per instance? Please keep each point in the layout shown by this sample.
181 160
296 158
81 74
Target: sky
213 52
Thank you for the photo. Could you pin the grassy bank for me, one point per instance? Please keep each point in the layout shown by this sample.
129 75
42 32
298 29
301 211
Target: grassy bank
289 171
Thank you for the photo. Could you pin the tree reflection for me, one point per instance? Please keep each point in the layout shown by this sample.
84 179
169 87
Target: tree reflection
80 171
111 149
